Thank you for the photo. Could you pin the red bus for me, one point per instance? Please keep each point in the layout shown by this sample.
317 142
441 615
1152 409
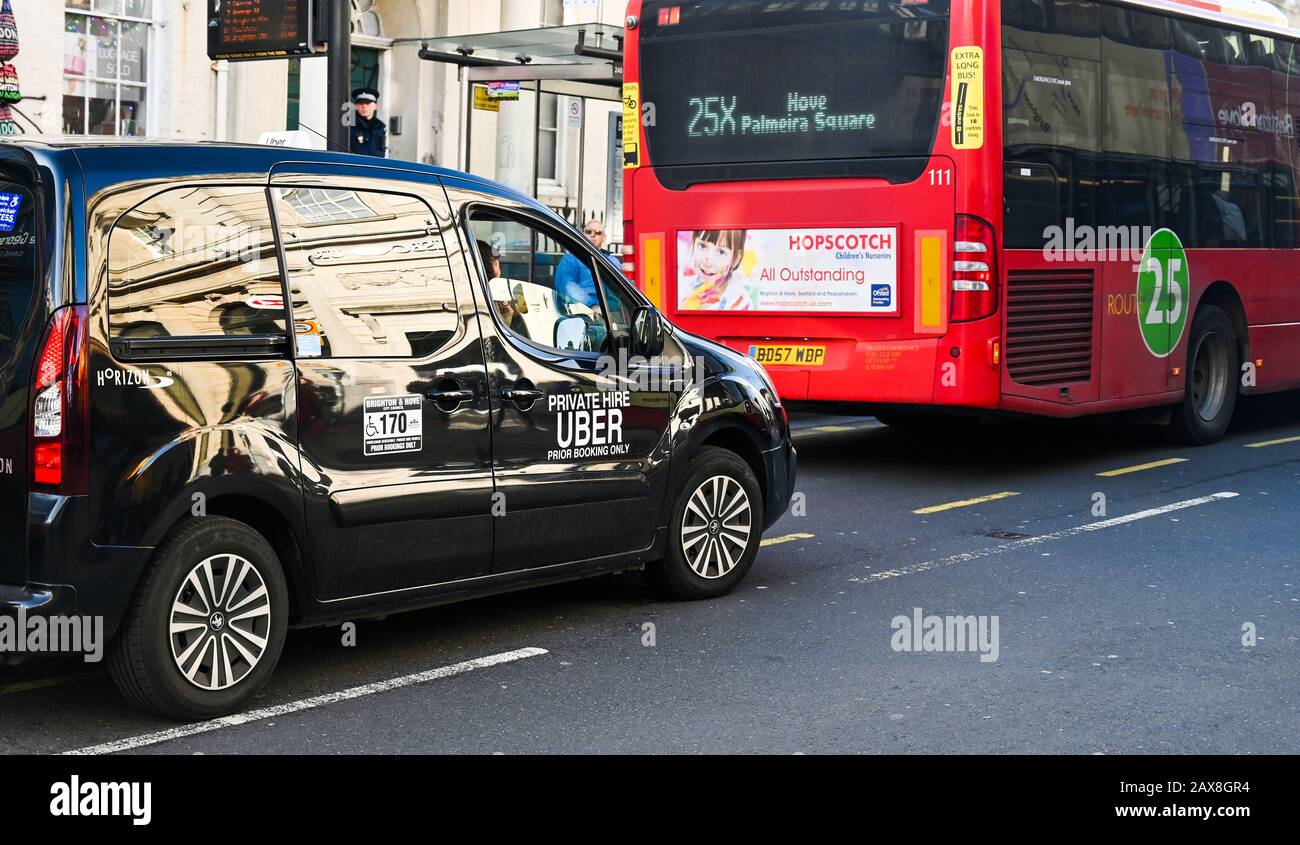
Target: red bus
1054 207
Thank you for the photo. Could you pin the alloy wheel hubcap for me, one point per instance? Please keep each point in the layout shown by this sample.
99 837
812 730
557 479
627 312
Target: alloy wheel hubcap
220 622
716 526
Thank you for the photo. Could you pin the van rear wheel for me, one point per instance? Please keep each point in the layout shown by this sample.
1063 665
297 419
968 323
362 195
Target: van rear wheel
207 625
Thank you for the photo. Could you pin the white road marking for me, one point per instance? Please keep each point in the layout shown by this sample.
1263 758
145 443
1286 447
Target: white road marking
183 731
967 557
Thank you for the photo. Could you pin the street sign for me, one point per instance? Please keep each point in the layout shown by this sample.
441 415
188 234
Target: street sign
244 30
483 101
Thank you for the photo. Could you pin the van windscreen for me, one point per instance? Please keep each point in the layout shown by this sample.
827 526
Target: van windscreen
17 262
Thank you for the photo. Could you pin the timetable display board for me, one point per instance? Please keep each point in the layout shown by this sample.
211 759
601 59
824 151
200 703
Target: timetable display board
244 30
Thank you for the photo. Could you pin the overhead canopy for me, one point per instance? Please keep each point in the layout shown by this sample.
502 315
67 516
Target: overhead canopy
578 60
574 58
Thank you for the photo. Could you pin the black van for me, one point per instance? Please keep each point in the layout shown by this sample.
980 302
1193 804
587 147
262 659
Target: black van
247 388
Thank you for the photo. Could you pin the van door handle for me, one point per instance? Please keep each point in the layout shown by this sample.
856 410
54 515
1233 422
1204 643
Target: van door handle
450 396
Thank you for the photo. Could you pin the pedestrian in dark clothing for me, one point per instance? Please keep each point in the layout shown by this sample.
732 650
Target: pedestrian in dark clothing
370 134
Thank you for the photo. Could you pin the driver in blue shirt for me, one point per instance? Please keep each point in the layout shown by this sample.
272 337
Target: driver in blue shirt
573 277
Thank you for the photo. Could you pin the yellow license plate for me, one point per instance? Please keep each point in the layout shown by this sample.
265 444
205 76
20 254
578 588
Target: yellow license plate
788 355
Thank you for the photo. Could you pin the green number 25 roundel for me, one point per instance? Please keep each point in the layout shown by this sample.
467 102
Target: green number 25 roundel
1164 291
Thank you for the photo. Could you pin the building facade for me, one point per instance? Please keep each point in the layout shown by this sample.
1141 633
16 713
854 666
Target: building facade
140 68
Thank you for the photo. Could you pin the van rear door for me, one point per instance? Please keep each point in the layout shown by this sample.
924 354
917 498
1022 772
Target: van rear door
22 313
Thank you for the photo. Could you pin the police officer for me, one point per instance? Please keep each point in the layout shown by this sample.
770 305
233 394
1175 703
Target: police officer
370 134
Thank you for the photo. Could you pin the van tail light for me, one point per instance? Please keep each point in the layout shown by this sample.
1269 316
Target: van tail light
974 270
60 403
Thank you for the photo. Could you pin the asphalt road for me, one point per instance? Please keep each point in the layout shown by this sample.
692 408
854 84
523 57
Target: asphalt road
1120 631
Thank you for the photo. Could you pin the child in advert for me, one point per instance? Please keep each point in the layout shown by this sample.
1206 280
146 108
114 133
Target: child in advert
715 255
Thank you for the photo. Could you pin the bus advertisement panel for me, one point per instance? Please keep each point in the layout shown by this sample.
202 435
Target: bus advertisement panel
792 271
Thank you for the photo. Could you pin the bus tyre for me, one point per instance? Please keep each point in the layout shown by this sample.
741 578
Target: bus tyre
207 624
714 528
1213 366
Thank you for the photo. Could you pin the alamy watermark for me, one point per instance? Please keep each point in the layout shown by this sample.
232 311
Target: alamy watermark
129 799
638 373
921 633
21 634
1095 243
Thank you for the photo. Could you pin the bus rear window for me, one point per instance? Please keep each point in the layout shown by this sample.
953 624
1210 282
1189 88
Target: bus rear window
17 262
754 81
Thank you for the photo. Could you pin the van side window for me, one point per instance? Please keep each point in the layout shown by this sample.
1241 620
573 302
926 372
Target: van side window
368 273
195 262
541 284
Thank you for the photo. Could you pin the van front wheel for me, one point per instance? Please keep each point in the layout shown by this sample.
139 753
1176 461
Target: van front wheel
715 529
207 625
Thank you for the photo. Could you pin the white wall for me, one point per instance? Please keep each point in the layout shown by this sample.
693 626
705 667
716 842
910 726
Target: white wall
181 101
185 89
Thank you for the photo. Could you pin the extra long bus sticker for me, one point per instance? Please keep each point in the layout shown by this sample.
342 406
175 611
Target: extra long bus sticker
631 125
393 424
967 98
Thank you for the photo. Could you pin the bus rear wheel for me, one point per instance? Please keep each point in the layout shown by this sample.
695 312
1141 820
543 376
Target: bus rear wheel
1213 362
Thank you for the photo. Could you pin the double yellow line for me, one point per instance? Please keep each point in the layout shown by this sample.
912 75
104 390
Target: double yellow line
42 683
1277 442
788 538
1111 473
965 503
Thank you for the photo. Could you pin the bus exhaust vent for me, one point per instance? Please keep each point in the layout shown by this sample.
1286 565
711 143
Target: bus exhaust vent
1049 326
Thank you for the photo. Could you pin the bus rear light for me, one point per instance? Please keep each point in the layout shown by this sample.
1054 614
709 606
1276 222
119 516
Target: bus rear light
60 388
629 252
974 270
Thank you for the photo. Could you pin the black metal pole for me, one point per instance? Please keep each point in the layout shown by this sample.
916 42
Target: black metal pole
537 134
340 74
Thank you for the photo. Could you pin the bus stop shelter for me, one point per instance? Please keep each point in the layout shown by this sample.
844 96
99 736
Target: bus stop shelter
583 61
